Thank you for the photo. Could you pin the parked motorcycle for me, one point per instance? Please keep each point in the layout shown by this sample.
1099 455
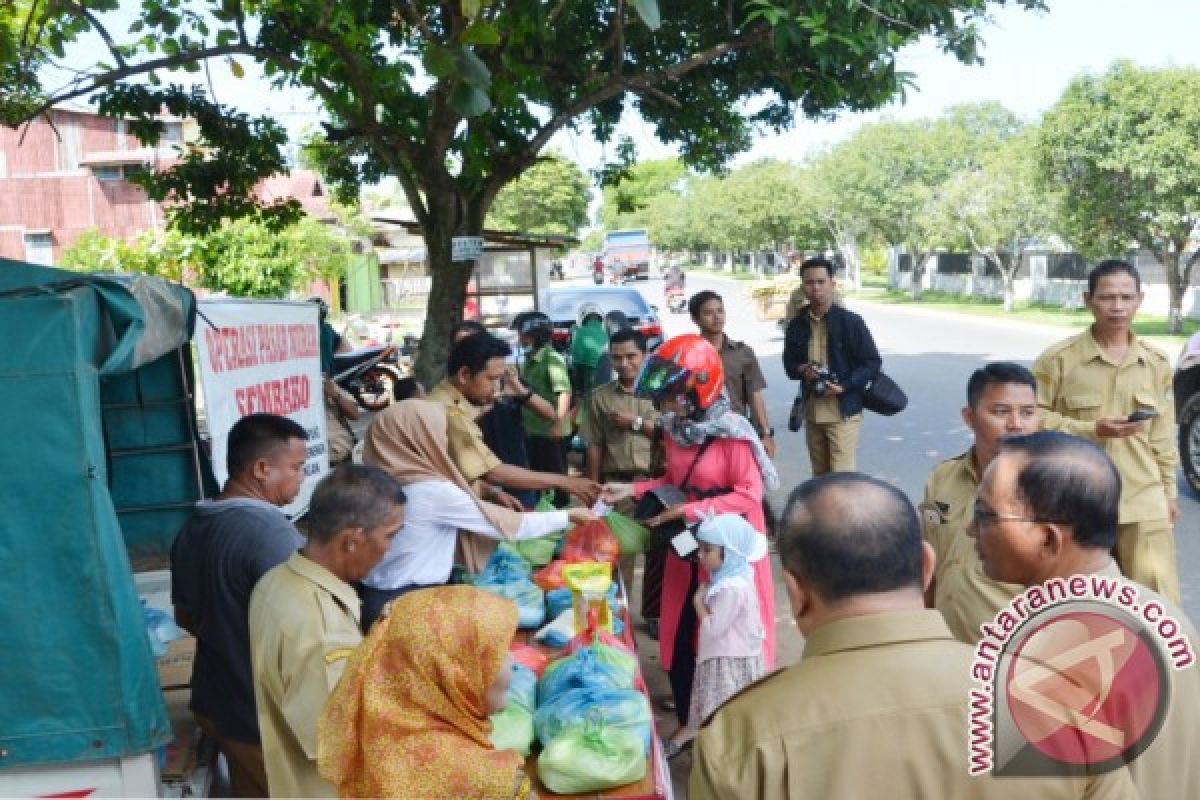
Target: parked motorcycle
369 374
676 300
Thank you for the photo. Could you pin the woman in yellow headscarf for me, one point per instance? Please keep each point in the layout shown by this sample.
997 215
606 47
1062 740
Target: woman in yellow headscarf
410 715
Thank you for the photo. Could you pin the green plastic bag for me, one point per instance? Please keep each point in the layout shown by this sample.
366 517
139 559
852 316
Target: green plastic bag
540 552
512 729
592 758
631 535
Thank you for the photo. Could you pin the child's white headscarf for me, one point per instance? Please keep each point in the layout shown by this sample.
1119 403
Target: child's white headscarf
743 546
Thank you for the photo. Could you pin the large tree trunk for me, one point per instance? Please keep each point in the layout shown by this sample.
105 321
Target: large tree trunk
920 261
1175 290
448 292
848 247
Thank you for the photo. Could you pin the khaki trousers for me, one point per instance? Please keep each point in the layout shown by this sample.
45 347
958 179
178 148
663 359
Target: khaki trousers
1145 552
247 770
832 446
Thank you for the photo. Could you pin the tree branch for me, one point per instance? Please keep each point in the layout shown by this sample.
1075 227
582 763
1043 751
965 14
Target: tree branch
170 62
83 11
618 84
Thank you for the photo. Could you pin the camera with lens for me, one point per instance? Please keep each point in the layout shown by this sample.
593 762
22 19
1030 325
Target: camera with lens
824 377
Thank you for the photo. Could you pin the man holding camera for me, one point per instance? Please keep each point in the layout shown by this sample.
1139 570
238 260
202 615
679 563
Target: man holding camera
831 352
1114 388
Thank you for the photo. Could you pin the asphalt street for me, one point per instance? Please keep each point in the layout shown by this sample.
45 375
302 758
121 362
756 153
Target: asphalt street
930 354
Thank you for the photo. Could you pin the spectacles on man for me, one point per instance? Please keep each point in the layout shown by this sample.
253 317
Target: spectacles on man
982 517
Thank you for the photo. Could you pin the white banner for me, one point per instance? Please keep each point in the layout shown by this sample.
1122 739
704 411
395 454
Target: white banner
263 356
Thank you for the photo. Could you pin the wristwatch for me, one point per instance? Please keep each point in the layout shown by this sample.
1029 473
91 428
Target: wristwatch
525 398
769 434
637 425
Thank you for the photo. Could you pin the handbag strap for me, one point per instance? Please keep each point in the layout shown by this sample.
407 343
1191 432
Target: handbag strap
683 487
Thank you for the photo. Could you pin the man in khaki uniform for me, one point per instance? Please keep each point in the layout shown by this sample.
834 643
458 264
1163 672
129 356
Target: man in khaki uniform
304 619
1089 386
877 706
1001 401
828 337
622 435
475 367
621 428
744 379
1048 508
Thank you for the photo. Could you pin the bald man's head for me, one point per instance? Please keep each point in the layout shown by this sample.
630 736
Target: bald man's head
1068 480
847 534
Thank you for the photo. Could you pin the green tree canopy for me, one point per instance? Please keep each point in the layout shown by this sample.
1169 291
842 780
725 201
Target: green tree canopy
551 198
626 199
1122 147
457 98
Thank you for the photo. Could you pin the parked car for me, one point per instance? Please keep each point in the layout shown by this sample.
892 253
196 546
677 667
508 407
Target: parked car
1187 409
562 306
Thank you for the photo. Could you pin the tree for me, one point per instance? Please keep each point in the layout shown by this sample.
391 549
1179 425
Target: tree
458 98
551 198
888 175
1122 147
245 258
1000 208
628 196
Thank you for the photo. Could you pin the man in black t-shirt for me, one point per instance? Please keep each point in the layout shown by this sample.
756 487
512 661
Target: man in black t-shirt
216 560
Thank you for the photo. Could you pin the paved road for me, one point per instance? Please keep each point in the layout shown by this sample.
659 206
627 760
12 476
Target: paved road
931 354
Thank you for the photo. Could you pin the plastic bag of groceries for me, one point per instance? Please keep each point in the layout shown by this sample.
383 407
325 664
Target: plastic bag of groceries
632 536
506 574
512 729
591 541
584 670
592 758
617 708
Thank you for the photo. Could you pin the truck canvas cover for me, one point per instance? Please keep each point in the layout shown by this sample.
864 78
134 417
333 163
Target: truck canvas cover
98 469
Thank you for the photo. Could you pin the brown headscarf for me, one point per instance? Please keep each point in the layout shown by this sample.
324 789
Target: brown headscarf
409 717
410 443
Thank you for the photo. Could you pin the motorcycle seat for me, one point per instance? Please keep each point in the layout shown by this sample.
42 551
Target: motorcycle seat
345 361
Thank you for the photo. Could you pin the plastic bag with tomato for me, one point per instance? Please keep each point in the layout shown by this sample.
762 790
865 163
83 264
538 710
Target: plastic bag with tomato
591 541
550 577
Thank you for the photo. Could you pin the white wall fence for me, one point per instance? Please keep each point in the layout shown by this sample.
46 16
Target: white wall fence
1036 286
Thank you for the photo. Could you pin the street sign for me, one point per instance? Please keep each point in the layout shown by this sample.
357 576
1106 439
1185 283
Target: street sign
466 248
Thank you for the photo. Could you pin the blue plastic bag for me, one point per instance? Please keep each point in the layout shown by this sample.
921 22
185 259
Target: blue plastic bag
616 708
584 670
161 629
531 602
506 574
522 689
557 601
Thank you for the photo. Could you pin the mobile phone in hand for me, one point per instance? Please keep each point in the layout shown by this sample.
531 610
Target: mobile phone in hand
1141 415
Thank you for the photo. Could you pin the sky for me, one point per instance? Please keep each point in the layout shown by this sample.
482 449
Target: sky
1029 58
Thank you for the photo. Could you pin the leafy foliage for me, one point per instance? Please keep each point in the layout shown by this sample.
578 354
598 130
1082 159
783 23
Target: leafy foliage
458 99
245 258
1122 147
550 198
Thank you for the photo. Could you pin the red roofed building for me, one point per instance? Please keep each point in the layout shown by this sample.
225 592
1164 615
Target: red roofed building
71 174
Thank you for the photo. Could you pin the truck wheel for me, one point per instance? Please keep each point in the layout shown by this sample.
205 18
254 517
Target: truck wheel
1189 440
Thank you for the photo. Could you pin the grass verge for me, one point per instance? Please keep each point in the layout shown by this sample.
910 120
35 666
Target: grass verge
1025 311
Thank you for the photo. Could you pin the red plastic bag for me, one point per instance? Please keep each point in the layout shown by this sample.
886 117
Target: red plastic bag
591 541
529 656
551 576
594 634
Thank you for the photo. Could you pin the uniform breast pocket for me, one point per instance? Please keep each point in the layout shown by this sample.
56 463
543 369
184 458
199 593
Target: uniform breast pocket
1145 401
1084 406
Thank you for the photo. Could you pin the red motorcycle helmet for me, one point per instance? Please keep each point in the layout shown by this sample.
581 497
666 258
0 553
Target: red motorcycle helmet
686 363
